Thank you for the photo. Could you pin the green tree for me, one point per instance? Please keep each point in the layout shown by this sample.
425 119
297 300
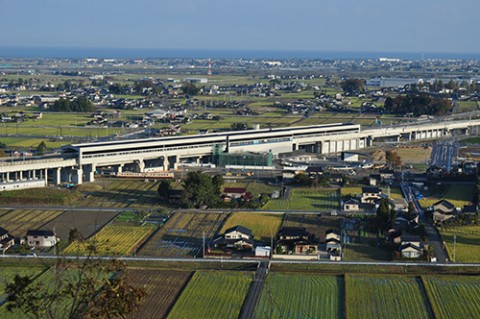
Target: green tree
217 182
353 86
80 104
383 214
199 190
41 148
393 159
302 180
190 89
74 235
164 188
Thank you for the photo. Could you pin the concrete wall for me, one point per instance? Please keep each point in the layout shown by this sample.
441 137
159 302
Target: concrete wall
37 183
296 257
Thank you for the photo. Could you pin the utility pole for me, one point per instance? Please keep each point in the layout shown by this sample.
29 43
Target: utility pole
454 246
203 245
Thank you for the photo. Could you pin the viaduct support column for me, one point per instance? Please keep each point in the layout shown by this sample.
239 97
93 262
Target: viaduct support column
90 173
141 166
176 161
119 168
78 176
166 163
57 176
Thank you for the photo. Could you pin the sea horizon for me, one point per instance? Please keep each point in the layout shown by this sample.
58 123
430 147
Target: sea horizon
151 53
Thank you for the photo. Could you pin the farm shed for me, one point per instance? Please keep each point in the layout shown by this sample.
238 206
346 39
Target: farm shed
263 251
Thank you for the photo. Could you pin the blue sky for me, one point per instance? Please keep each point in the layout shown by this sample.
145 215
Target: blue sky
317 25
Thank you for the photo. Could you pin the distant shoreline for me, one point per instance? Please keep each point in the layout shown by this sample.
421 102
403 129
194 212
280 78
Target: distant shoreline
129 53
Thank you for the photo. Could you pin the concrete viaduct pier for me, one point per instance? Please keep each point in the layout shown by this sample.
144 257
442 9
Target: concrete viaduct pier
79 162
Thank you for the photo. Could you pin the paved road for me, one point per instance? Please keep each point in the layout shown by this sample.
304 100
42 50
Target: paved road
444 155
431 231
243 261
253 296
212 211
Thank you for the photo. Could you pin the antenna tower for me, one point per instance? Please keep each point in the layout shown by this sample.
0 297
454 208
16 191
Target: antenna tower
209 72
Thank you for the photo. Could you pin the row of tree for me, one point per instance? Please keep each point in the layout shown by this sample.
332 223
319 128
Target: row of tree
80 104
417 104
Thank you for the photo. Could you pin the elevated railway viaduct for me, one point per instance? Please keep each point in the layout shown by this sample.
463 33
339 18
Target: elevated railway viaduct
78 162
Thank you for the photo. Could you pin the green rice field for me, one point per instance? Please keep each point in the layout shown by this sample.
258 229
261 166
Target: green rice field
300 296
453 297
212 295
306 199
385 297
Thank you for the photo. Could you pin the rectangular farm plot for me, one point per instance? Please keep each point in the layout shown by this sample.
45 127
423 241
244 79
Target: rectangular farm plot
306 199
182 235
212 295
263 226
454 297
162 287
117 192
467 248
86 222
18 221
385 297
301 296
313 223
114 240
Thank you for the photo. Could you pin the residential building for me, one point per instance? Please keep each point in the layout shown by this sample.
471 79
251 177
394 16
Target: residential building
296 240
41 238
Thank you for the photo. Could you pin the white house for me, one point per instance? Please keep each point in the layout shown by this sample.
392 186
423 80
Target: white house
351 205
238 232
41 238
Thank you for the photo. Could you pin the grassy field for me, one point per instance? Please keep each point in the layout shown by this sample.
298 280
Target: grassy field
467 248
212 295
18 221
182 235
313 223
117 192
254 187
471 140
7 273
306 199
114 240
453 297
366 251
162 287
458 195
39 196
351 191
263 226
413 154
300 296
384 297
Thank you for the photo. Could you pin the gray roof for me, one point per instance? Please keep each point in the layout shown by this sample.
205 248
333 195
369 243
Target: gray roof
240 229
3 231
40 232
